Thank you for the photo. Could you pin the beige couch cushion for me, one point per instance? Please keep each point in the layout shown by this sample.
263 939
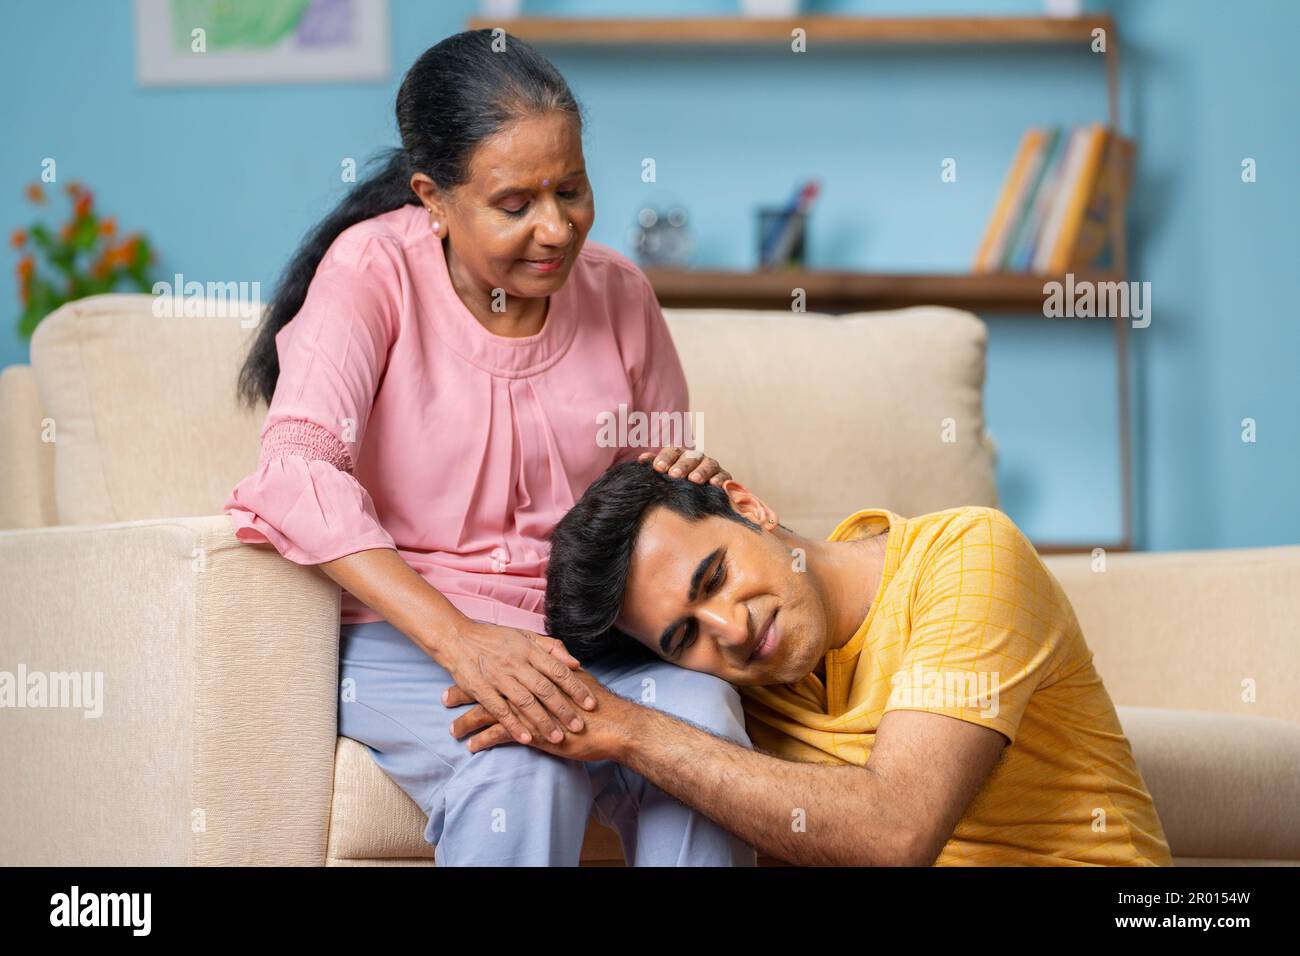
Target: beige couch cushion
144 410
373 820
372 817
1223 785
824 415
1196 630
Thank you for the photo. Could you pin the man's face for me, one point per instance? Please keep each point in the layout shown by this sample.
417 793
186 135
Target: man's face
716 596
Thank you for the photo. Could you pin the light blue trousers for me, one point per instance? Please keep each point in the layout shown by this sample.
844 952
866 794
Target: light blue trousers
513 805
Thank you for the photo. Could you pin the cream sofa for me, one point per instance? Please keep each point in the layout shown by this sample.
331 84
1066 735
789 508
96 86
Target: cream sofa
217 740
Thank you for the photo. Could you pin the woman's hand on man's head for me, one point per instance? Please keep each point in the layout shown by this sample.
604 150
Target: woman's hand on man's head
695 465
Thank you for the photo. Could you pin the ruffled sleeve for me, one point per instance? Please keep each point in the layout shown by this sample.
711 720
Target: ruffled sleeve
303 498
658 382
309 509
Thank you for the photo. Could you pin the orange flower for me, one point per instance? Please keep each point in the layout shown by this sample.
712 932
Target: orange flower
108 226
18 238
35 193
125 254
74 189
101 267
25 266
82 208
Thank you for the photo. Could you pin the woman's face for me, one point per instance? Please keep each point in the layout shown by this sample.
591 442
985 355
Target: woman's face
526 184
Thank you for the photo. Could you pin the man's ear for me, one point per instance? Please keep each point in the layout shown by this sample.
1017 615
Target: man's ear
750 505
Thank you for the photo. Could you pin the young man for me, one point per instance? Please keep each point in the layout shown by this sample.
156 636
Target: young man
918 690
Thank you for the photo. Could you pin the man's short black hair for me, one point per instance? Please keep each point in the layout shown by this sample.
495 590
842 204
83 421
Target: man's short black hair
591 549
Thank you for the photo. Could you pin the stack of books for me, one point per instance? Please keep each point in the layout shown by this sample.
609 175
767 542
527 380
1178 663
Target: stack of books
1055 211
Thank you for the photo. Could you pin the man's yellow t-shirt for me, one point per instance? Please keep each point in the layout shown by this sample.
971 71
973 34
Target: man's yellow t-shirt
969 622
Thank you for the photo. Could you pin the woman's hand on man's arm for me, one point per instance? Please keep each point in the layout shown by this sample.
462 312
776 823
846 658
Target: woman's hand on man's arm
525 680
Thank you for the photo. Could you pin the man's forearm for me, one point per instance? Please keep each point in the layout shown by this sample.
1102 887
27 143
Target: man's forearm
808 814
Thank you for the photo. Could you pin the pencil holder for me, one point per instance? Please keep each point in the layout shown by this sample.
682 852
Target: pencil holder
768 218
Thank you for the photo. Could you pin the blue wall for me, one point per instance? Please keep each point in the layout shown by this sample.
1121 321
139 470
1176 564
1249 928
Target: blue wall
225 180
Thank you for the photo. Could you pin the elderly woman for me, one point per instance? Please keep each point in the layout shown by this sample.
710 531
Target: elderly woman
436 359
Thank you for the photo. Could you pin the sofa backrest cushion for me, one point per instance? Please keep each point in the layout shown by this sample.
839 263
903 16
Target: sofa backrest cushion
144 411
819 415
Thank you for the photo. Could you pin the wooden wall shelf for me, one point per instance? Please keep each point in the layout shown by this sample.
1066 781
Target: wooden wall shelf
832 291
820 29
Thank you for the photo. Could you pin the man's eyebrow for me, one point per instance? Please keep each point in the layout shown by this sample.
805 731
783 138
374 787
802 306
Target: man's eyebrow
505 191
696 577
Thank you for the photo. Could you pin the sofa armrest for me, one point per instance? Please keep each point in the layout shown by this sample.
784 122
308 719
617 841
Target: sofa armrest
1224 786
1192 630
26 461
211 737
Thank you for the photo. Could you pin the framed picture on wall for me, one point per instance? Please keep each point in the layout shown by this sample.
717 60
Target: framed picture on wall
215 42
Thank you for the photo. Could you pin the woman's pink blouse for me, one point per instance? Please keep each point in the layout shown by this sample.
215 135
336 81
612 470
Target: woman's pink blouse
399 421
